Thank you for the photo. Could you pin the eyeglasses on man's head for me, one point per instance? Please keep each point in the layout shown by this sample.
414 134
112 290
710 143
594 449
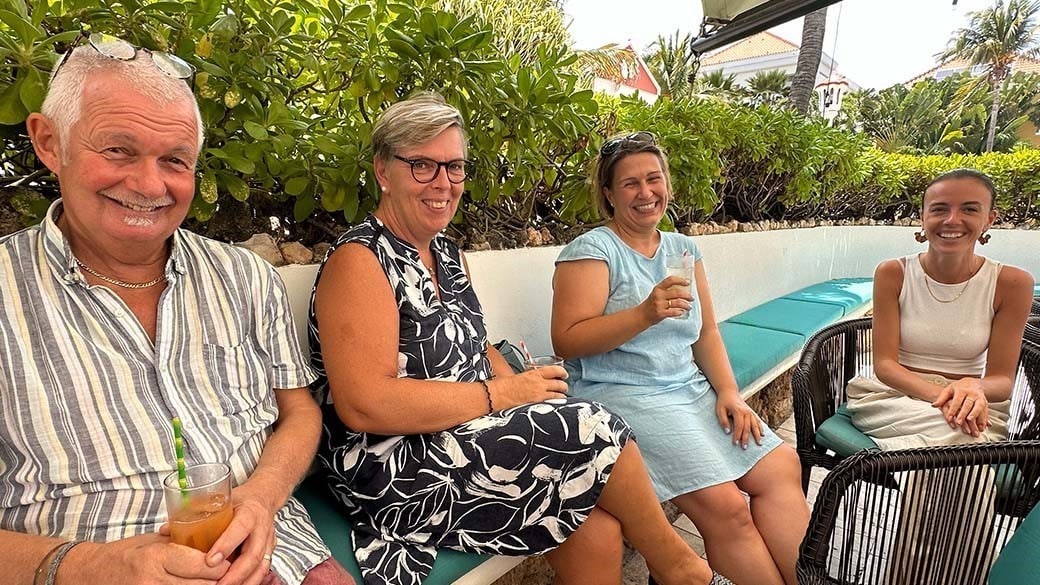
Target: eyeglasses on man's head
116 48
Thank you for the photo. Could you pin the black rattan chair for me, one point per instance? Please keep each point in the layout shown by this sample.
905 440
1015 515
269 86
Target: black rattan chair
842 351
940 524
1035 310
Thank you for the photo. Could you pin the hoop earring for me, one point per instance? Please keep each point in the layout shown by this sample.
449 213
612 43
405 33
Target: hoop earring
984 239
920 237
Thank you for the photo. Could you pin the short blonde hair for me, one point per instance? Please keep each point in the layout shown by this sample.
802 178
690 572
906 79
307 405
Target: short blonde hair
603 175
64 100
415 121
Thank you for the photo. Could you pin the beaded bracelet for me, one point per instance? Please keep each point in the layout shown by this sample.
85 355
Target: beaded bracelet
59 556
487 393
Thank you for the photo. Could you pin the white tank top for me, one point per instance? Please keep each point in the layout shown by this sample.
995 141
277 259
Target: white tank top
950 336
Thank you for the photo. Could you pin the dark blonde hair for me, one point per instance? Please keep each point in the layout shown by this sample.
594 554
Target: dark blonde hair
625 145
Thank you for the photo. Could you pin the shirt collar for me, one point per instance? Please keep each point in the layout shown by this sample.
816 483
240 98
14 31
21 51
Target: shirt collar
59 254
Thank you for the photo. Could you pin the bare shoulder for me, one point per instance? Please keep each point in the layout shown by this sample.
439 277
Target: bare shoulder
1014 278
889 269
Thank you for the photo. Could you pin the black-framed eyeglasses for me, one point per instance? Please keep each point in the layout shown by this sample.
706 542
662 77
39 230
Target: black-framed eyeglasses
425 170
116 48
614 144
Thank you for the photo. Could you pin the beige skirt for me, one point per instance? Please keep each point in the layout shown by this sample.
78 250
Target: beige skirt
897 421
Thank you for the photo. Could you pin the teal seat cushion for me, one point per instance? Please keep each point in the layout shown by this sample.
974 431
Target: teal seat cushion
839 435
1036 290
791 316
753 351
1017 562
335 531
847 293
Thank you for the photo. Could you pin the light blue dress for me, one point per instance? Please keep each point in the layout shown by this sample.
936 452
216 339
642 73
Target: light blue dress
651 380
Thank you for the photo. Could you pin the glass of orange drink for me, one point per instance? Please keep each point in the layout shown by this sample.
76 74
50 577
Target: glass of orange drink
200 512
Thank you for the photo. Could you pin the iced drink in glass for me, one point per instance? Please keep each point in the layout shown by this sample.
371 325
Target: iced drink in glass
681 265
201 512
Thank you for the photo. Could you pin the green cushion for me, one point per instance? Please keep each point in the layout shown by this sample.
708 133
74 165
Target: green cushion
847 293
335 531
839 435
799 317
1017 563
1036 290
753 351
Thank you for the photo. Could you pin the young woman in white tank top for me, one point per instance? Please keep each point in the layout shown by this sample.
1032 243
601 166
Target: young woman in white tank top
947 328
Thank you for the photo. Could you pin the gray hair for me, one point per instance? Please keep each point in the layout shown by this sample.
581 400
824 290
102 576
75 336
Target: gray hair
415 121
63 103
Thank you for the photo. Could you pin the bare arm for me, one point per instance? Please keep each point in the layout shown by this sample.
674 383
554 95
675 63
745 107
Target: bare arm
580 291
22 553
359 326
1014 295
709 352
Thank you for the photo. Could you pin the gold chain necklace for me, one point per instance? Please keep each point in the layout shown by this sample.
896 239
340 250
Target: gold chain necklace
937 299
120 283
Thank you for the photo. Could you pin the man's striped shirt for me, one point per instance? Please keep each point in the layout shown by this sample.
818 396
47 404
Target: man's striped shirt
86 398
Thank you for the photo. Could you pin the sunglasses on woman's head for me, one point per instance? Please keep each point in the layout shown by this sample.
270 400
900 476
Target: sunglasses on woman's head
116 48
614 144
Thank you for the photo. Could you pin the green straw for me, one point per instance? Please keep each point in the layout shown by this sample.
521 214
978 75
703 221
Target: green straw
178 448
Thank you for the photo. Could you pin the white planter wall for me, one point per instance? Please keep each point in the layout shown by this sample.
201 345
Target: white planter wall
745 269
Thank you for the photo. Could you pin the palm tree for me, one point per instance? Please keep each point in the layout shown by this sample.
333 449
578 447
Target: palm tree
803 83
673 64
993 39
768 87
721 84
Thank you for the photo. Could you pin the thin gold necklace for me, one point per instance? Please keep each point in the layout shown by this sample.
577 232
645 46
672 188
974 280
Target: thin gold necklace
928 286
937 299
120 283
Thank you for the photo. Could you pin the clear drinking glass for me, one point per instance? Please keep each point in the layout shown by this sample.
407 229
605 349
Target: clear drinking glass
681 265
201 512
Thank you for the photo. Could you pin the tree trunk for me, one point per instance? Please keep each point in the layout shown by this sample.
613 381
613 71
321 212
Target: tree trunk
803 83
991 131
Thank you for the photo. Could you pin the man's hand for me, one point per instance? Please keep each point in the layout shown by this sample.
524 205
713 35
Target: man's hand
148 559
247 542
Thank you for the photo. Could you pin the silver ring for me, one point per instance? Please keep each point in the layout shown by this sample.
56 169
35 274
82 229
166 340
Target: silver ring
267 557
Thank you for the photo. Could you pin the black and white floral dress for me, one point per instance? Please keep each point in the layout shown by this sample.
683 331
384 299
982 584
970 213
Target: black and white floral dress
517 482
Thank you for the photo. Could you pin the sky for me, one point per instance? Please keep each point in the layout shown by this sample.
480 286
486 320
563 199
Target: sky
876 43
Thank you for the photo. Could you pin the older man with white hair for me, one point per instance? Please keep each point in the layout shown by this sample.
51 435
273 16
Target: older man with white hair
112 322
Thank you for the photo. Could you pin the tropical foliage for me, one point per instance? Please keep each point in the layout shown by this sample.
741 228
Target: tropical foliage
994 38
289 90
943 117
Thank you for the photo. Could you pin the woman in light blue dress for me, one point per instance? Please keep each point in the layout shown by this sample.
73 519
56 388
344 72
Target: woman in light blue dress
629 331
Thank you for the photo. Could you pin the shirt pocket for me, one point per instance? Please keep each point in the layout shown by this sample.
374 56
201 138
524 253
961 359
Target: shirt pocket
240 376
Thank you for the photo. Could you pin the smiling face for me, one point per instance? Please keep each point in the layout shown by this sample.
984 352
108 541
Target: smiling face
956 212
418 211
638 192
127 175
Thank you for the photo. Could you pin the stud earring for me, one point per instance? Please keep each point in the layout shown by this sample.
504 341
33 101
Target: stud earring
984 239
920 237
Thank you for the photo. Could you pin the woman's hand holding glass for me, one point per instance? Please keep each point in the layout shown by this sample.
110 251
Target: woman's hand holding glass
964 404
537 385
670 298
